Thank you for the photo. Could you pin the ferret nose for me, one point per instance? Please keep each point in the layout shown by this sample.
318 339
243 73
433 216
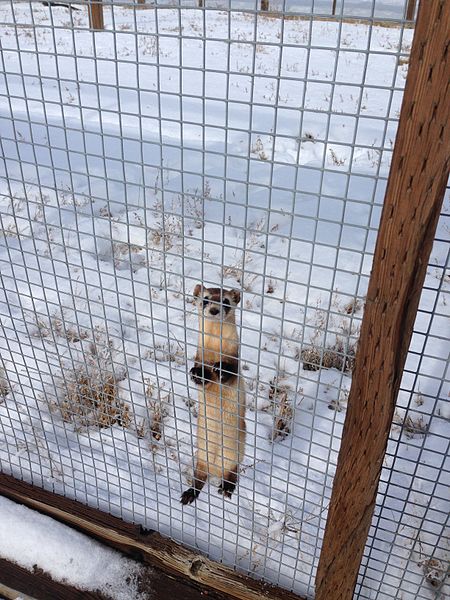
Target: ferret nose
213 310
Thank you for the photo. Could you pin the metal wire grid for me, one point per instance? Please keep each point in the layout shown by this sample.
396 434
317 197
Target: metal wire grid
411 522
186 172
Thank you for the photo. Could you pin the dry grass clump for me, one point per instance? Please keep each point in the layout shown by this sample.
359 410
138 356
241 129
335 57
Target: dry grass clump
168 352
338 162
258 146
57 326
4 385
336 357
435 572
353 306
168 229
71 333
90 396
122 253
339 403
158 407
411 427
282 409
310 358
270 288
91 400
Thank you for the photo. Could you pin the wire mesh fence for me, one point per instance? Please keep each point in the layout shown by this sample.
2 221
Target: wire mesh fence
242 151
410 528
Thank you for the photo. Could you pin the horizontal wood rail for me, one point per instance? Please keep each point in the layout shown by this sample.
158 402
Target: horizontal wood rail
147 546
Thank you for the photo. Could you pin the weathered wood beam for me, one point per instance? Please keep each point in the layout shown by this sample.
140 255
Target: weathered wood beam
149 547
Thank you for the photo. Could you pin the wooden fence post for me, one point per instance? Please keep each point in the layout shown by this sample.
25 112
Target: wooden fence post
410 10
415 190
95 9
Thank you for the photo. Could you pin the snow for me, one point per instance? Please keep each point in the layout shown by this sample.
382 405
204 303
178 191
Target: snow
122 189
32 541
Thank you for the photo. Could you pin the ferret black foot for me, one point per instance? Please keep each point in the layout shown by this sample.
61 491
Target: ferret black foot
196 375
228 484
201 375
189 496
227 488
225 371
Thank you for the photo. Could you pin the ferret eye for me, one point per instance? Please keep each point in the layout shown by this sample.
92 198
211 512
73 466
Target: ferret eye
205 302
226 302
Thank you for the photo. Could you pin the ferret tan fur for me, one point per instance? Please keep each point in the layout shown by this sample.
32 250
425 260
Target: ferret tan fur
221 412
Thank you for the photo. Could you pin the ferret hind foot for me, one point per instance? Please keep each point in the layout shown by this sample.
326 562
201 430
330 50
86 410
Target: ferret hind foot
227 488
189 496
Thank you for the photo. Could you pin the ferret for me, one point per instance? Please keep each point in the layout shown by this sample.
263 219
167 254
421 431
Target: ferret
221 393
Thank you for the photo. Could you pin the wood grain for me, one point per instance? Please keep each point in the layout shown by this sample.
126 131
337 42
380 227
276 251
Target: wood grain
413 201
150 547
95 10
38 584
410 10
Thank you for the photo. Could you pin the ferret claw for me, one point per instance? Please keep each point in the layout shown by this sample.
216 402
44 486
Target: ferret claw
189 496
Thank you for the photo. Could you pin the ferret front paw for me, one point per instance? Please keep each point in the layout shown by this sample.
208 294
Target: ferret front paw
217 370
188 496
201 375
196 374
224 371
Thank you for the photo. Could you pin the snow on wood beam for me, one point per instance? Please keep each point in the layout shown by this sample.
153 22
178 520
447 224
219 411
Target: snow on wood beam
170 558
19 583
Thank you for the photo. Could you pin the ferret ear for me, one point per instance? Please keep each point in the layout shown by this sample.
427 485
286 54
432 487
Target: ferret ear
198 290
236 295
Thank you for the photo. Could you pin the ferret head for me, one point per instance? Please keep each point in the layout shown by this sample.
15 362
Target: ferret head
216 304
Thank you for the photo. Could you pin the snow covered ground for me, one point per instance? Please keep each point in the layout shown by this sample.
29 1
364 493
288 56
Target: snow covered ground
126 181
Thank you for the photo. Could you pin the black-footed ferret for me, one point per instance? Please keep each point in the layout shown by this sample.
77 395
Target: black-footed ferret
221 411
